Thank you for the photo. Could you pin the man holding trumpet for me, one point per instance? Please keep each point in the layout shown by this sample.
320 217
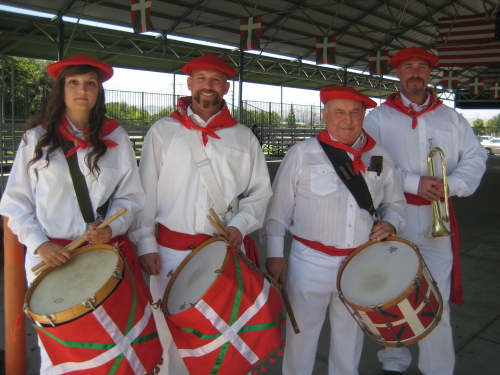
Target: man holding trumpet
406 125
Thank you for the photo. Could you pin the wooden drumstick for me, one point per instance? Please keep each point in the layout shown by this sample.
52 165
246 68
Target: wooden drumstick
42 266
288 306
218 227
219 221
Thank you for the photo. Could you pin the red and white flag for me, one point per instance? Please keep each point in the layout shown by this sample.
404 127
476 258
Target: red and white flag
476 86
378 62
325 50
469 40
450 79
495 90
250 33
141 16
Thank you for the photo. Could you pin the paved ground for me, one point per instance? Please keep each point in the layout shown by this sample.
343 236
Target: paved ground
476 325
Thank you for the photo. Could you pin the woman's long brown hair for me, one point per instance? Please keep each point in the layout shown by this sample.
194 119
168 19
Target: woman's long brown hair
50 118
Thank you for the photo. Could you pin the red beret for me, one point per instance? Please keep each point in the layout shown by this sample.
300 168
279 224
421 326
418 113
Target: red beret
411 52
105 70
345 92
209 60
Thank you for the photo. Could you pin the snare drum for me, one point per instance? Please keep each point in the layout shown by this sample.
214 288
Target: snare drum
95 314
390 292
223 315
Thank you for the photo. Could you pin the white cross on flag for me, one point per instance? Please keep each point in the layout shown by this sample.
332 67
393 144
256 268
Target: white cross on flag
476 86
450 79
250 33
141 16
495 90
325 50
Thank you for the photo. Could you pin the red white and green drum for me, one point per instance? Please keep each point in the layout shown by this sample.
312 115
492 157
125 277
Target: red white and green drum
390 292
94 314
223 315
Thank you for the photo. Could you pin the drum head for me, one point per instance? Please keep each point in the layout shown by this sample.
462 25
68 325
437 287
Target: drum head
379 273
196 277
78 279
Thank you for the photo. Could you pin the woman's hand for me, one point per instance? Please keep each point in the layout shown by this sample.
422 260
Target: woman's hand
97 236
53 254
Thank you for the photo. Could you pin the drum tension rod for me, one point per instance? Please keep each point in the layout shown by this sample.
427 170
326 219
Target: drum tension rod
116 274
89 303
218 272
51 319
170 273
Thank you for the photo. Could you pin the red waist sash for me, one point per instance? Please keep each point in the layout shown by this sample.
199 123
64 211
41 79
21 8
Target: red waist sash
179 241
328 250
456 276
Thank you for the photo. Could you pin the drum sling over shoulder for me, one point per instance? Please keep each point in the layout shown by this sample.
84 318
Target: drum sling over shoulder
81 190
356 184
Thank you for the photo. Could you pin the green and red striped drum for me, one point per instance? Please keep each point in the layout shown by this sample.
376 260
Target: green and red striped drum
390 292
223 315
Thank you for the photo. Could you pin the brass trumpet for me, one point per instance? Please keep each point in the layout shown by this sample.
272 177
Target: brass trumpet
438 227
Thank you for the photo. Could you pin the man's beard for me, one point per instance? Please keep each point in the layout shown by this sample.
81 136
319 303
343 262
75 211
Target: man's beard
215 100
415 92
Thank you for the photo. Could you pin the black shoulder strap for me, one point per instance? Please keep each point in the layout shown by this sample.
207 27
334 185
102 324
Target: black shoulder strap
356 184
81 190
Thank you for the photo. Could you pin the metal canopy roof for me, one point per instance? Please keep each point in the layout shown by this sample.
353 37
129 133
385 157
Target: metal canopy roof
289 28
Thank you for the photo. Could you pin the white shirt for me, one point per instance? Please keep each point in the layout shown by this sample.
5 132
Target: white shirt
40 202
176 195
312 202
465 157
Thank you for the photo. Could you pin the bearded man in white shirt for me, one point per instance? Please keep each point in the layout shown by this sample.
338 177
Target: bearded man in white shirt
311 200
177 197
405 125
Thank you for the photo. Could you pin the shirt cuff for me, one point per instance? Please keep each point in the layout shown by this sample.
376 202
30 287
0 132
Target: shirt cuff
240 223
453 184
34 241
275 246
394 220
411 183
147 246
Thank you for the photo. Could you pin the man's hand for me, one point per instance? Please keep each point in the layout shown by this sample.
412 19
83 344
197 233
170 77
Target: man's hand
150 263
97 236
276 267
430 188
235 237
382 230
53 254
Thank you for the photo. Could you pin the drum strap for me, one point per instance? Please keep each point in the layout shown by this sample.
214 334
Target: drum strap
356 184
81 189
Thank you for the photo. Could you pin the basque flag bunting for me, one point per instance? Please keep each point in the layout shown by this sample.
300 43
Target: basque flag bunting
450 79
378 63
325 50
476 86
141 16
495 90
250 33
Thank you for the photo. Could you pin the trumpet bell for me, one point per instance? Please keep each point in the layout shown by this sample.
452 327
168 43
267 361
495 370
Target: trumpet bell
438 228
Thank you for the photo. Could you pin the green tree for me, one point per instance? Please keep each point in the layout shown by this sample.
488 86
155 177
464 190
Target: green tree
290 119
493 124
478 126
125 113
31 86
163 113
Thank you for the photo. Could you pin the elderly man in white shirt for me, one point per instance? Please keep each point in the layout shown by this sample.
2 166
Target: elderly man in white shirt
405 124
178 198
314 204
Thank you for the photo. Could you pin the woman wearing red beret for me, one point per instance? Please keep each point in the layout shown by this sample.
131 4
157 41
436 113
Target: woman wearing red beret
40 199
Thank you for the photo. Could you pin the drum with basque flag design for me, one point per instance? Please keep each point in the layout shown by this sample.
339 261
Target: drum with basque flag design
223 315
119 337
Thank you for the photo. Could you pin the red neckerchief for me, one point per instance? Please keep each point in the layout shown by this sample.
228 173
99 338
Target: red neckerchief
221 121
395 101
67 134
357 163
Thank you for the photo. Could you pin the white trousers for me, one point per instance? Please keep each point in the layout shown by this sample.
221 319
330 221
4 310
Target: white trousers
312 289
436 351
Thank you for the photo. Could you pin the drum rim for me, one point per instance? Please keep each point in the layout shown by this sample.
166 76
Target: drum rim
405 293
78 310
166 293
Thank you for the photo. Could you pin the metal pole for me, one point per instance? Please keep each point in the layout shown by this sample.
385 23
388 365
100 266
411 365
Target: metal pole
60 39
240 99
175 101
281 105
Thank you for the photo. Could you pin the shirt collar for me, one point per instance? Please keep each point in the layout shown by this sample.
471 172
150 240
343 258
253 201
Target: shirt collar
197 119
359 142
76 132
415 106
